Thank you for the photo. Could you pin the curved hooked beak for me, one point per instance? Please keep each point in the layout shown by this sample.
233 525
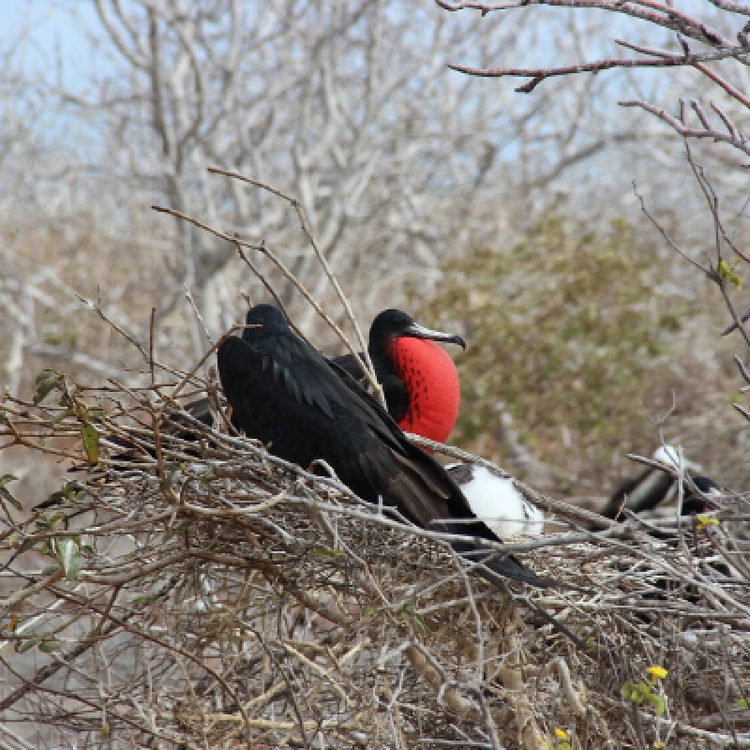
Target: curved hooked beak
420 332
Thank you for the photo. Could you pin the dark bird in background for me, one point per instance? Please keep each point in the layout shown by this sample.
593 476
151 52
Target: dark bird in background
304 407
701 501
650 488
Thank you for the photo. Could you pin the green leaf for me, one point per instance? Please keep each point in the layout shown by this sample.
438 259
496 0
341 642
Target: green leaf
68 491
52 523
5 493
148 599
23 646
27 545
411 616
635 692
657 702
48 647
46 381
727 272
91 442
742 703
327 554
69 555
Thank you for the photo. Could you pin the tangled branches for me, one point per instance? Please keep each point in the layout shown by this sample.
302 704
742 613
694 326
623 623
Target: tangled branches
191 590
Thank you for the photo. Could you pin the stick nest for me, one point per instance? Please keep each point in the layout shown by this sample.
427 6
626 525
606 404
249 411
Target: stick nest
204 594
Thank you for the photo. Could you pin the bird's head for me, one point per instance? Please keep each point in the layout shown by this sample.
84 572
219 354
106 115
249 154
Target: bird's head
265 319
395 324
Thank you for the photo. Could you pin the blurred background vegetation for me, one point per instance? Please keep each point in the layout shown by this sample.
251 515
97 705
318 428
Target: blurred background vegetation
511 218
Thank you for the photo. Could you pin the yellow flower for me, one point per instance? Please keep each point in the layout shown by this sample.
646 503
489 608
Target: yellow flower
703 522
659 744
657 673
561 734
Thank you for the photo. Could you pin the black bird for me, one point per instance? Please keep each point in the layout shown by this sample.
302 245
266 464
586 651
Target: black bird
305 407
420 382
419 379
701 501
651 487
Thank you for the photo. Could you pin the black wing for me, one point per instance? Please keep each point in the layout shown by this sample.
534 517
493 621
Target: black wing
393 388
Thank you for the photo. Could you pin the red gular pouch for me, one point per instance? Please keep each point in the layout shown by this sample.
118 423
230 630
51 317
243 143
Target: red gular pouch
431 381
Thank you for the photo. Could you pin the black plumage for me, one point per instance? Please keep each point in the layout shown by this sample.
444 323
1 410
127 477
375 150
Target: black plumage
304 407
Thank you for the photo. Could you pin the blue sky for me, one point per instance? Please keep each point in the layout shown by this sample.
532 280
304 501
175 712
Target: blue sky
57 31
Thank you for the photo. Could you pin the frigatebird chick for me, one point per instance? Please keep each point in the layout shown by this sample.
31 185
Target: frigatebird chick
419 378
303 407
497 501
650 488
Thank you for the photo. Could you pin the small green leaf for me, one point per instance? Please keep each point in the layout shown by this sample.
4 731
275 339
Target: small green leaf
52 523
742 703
91 442
411 616
657 702
327 554
23 646
69 555
5 493
635 691
46 381
727 272
27 545
48 647
68 491
148 599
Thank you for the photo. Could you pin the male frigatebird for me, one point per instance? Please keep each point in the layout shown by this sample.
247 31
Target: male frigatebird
304 407
419 379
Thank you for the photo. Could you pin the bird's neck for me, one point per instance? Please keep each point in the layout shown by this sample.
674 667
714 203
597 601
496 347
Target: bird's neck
430 380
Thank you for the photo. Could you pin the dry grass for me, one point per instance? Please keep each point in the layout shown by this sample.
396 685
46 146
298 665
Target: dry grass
228 599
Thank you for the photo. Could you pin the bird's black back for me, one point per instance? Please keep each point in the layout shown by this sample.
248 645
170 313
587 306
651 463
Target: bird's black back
304 407
394 389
